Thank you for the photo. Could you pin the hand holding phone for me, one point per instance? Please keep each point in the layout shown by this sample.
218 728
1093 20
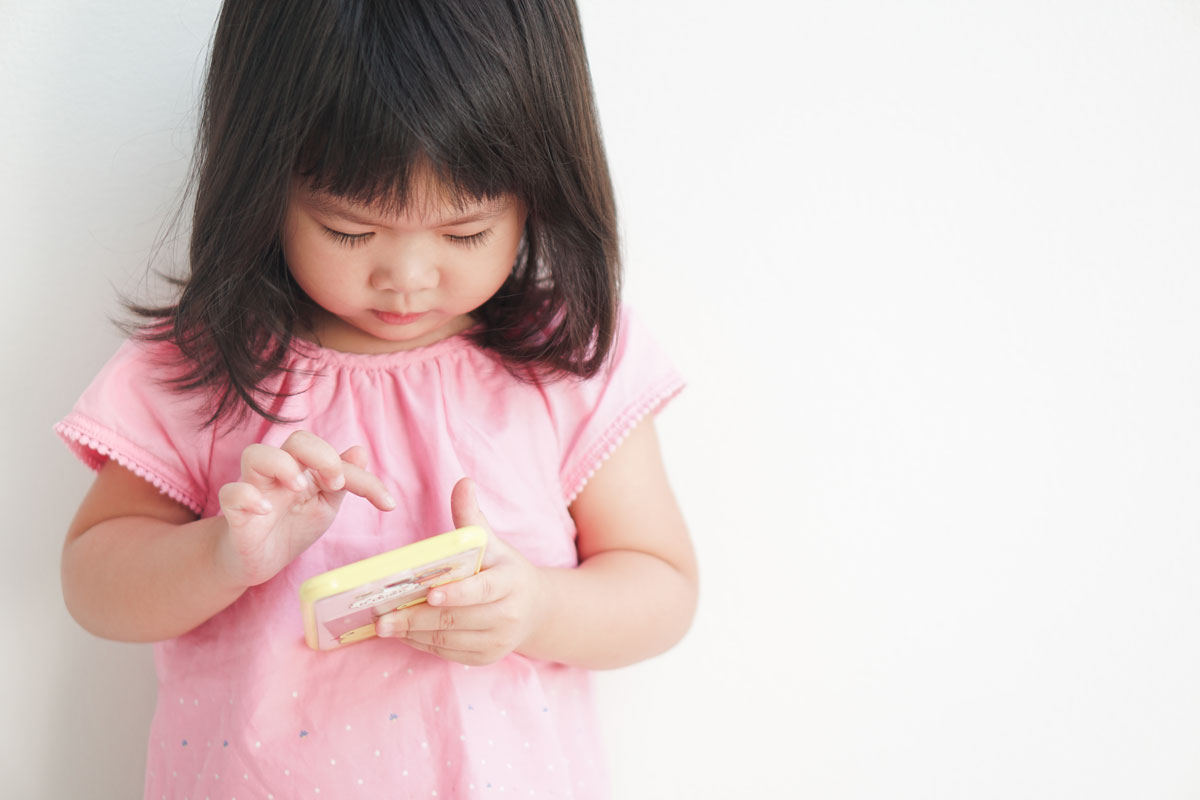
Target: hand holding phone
340 607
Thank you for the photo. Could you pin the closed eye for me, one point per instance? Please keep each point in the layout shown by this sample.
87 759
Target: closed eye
348 239
474 240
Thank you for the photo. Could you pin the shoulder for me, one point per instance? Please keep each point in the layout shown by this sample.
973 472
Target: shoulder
131 413
137 362
637 366
635 346
592 416
137 368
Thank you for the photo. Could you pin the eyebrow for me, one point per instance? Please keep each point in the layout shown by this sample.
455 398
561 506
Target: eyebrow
331 207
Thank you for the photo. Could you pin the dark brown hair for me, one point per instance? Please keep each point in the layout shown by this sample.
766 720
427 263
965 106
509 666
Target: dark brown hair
355 96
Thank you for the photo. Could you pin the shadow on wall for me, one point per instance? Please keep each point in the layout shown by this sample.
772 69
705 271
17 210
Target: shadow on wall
100 719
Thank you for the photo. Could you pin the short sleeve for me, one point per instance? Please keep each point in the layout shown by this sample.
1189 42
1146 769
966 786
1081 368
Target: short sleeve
129 415
593 416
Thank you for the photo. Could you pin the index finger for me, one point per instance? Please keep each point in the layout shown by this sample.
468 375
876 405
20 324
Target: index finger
366 484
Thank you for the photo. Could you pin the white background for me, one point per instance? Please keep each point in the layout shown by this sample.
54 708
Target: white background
933 270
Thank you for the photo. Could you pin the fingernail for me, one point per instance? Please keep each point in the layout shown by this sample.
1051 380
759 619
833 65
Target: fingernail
389 501
437 598
264 506
300 482
384 629
338 482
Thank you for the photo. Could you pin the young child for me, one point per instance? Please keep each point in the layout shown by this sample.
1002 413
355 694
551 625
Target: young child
403 272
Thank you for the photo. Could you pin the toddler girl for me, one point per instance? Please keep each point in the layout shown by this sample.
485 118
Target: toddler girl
403 272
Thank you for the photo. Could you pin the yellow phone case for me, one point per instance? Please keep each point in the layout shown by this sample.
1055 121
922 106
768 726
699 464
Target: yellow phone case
340 606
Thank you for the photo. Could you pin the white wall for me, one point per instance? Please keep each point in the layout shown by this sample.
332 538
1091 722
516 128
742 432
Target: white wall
933 269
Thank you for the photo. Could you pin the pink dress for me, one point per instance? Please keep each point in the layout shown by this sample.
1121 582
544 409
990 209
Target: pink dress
245 708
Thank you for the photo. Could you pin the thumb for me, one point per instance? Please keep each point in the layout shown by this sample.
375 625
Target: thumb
464 510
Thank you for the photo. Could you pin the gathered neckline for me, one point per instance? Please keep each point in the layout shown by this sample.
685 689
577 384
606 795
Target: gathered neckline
382 361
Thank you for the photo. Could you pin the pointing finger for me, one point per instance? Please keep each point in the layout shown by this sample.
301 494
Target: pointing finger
366 484
356 455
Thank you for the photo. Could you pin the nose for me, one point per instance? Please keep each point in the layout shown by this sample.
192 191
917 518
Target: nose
405 270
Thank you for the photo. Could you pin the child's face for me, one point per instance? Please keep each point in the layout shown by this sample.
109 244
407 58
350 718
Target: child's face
394 282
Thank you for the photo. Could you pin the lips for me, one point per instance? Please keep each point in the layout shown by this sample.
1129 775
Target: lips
398 319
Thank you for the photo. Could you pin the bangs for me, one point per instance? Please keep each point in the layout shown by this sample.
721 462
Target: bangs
408 97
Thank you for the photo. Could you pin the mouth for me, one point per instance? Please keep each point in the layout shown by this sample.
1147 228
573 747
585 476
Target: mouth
398 319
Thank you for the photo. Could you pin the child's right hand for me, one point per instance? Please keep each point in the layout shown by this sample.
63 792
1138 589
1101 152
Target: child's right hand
287 497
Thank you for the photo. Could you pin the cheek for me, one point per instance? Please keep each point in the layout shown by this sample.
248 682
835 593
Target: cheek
475 277
319 271
300 261
498 268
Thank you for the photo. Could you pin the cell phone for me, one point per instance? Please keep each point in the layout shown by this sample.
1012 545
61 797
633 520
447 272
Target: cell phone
340 607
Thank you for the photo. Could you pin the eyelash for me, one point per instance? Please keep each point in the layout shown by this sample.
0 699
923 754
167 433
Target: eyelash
348 239
355 239
474 240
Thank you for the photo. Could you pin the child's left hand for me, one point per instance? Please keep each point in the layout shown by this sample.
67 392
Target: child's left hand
481 619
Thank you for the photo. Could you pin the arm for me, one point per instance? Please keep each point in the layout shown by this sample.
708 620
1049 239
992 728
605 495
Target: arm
634 593
138 566
632 596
